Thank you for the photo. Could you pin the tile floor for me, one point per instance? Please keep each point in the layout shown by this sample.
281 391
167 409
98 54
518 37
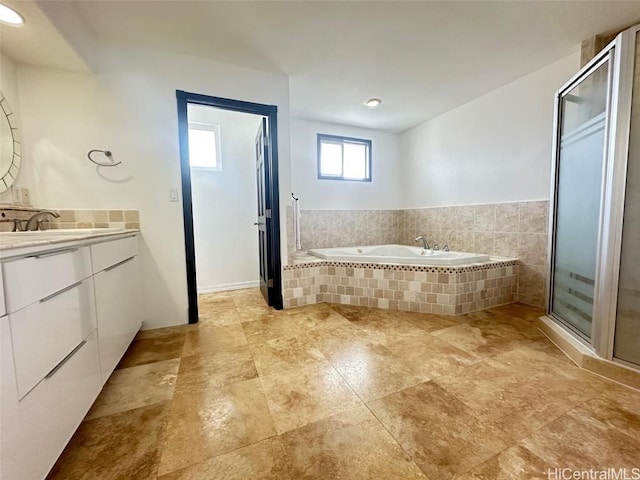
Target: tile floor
342 392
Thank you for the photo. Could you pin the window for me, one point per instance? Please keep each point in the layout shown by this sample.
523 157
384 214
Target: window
344 158
204 146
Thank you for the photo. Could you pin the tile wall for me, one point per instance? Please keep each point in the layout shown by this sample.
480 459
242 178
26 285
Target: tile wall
345 228
501 229
129 219
439 290
97 219
291 236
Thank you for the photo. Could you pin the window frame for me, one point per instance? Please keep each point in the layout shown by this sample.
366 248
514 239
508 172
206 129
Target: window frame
209 127
342 140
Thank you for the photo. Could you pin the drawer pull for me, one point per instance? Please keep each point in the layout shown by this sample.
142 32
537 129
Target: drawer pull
55 369
59 292
55 252
119 263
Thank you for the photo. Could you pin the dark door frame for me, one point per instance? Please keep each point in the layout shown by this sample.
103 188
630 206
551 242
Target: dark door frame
272 191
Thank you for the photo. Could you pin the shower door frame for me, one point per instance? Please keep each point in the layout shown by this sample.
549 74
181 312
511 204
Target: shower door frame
620 54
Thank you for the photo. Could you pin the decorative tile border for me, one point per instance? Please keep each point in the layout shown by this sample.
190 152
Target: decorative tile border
406 268
426 289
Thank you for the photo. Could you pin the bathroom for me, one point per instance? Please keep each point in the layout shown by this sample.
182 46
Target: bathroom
465 163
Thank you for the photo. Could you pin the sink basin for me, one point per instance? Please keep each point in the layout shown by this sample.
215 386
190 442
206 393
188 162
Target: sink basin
62 232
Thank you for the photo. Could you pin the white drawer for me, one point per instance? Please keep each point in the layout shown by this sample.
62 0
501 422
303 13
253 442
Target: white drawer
107 254
33 278
118 312
42 423
46 332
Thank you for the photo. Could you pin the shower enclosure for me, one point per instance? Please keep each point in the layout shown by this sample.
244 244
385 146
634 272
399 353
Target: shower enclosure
594 289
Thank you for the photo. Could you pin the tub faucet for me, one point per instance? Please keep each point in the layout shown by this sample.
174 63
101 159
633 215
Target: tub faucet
35 221
425 244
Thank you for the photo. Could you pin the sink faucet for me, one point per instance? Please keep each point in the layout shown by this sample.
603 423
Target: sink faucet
35 221
425 244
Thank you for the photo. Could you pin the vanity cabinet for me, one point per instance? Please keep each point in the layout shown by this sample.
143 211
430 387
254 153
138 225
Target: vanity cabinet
117 299
71 313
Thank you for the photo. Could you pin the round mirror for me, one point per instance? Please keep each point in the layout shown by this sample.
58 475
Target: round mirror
10 147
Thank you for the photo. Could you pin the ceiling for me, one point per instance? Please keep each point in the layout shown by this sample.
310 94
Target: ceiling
422 58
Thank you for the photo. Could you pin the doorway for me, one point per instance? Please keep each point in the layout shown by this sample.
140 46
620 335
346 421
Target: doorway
265 219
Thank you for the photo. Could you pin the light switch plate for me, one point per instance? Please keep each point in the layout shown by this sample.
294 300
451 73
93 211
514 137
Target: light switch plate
173 194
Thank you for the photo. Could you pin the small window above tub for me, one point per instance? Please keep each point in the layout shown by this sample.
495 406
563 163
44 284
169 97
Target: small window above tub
204 146
344 158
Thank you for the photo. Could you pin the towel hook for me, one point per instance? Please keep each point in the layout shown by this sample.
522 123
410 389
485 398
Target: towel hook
294 197
107 153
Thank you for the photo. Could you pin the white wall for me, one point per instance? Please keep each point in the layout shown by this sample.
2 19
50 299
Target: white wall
496 148
9 87
130 108
384 190
225 203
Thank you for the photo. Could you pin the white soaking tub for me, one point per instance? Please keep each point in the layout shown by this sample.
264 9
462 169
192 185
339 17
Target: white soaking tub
398 254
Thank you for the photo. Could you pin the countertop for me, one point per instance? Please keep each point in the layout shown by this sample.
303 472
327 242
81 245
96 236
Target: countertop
20 243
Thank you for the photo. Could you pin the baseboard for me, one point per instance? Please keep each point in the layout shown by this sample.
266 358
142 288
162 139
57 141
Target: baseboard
585 358
228 286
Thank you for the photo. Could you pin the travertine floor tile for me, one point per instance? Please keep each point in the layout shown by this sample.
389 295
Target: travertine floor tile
482 342
264 460
431 355
615 412
210 338
150 350
210 421
274 327
514 463
262 394
161 332
578 441
321 321
517 404
351 445
305 395
373 370
135 387
123 445
390 325
219 318
281 354
215 302
441 434
211 370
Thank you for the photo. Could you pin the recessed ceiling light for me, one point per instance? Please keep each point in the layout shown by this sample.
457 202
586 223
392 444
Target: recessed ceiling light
372 102
10 16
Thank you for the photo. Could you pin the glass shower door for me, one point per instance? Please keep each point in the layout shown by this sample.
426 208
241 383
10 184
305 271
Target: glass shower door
578 198
627 328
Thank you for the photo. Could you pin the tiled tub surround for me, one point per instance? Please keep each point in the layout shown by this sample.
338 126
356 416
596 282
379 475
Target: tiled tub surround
347 228
126 219
440 290
516 229
503 229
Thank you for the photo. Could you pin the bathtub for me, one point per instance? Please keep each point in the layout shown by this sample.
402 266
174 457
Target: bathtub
401 254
